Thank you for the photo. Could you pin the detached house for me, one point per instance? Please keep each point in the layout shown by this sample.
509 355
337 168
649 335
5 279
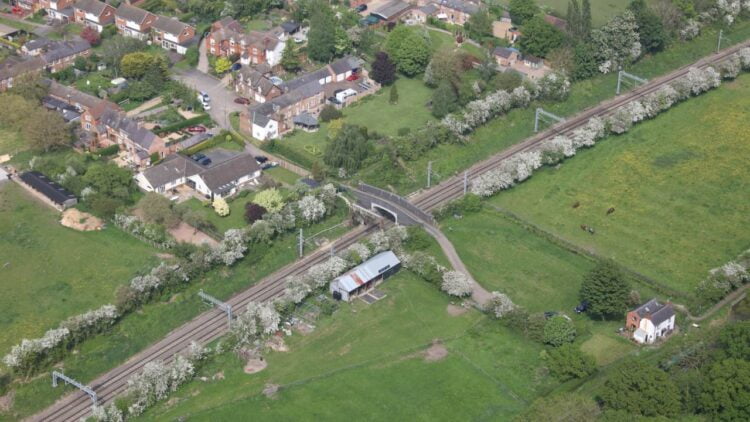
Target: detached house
529 66
229 39
456 12
59 10
93 13
171 34
257 83
650 321
134 22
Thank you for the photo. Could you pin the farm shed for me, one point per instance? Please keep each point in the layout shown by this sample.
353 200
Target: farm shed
364 276
55 193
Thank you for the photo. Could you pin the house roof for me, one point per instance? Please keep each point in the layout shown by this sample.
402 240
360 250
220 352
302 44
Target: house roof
137 134
95 7
131 13
37 44
47 187
64 92
345 64
305 119
289 26
391 9
655 311
532 59
173 167
429 9
223 176
368 271
462 6
14 66
194 140
62 49
170 25
504 52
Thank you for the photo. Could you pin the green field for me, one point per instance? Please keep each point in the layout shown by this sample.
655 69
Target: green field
367 360
282 175
139 330
10 142
678 183
601 10
49 272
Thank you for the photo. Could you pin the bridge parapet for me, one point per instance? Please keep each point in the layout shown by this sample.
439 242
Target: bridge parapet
391 198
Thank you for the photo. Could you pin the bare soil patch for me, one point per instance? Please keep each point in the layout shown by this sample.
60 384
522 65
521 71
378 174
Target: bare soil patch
454 310
253 366
276 343
270 390
6 401
189 234
81 221
436 352
304 328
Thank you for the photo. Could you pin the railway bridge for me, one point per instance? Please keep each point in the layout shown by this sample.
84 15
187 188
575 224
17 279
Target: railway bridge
391 206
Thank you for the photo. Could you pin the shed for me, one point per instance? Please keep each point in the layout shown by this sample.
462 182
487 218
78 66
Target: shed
364 276
49 189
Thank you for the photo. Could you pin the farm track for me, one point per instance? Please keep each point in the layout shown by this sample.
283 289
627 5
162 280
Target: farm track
212 324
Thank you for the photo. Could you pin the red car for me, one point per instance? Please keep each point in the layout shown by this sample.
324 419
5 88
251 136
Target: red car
352 77
243 101
196 129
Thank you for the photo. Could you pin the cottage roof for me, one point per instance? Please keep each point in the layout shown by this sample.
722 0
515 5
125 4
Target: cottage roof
223 176
655 311
305 119
462 6
429 9
62 49
170 25
36 44
368 271
137 134
503 52
290 26
131 13
391 9
345 64
64 92
95 7
13 67
172 168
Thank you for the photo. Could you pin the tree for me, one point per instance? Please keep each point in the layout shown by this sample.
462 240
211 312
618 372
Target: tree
348 149
558 330
16 109
30 86
586 17
653 37
109 180
254 212
290 60
318 171
606 290
158 209
444 100
91 35
522 10
540 37
616 43
221 207
311 208
640 390
393 95
734 340
585 63
444 66
115 48
409 49
269 199
563 407
456 284
383 69
45 130
328 113
568 362
138 65
479 25
222 65
321 39
579 19
725 391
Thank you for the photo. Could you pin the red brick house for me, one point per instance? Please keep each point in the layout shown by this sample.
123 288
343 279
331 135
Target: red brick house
134 22
229 39
60 10
139 143
93 13
171 34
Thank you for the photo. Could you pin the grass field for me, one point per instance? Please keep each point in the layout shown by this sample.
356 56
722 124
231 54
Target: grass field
49 272
601 10
10 142
154 321
510 129
679 185
367 361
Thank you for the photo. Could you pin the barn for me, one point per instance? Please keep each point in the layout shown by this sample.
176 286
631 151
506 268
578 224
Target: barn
51 191
364 276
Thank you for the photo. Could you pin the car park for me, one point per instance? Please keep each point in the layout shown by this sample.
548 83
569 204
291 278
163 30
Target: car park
199 156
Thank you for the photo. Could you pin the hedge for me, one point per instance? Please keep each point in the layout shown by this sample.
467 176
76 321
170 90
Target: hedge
216 140
110 150
204 119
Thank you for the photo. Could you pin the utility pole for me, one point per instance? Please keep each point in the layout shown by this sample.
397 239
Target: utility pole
542 115
429 173
227 308
332 248
301 244
623 74
466 181
85 388
721 34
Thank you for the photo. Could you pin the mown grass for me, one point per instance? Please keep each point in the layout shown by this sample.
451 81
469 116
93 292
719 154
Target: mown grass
678 184
139 330
282 175
601 10
368 361
49 272
11 142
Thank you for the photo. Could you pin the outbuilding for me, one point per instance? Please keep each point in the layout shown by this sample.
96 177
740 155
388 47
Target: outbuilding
365 276
49 190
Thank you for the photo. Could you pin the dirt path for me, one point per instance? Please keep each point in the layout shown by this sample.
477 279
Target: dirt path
732 298
143 107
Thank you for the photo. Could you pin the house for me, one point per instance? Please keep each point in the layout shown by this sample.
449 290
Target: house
134 22
68 112
456 12
423 13
139 143
35 47
90 107
391 11
504 28
53 193
229 39
257 83
171 34
219 180
364 276
59 10
58 55
14 67
29 6
527 65
650 321
93 13
307 94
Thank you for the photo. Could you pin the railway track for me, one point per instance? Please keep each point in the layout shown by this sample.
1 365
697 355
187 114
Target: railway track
212 324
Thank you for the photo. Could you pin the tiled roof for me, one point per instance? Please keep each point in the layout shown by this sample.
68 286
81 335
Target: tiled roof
137 134
391 9
131 13
62 49
460 5
95 7
223 176
170 25
172 168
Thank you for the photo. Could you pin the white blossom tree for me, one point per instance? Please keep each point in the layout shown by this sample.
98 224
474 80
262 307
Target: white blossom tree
500 304
731 67
456 284
311 208
321 274
554 86
109 413
296 288
617 43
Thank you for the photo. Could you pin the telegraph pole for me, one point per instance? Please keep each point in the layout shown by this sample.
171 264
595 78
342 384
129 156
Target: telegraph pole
721 34
466 181
301 244
623 74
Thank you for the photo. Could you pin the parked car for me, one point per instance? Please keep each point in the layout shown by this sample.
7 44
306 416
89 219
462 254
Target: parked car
206 106
352 77
241 100
270 165
204 162
236 67
199 156
261 159
196 129
361 8
203 97
582 307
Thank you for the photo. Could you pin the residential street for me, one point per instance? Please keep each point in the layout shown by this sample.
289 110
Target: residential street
222 99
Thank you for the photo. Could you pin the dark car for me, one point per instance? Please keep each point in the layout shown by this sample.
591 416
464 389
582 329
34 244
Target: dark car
261 159
361 8
197 129
236 67
205 161
199 156
582 307
241 100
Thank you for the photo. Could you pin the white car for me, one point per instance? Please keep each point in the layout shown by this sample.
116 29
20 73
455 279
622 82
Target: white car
203 97
206 106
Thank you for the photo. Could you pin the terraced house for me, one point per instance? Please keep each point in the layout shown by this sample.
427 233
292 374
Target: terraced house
134 22
139 143
93 13
42 55
229 39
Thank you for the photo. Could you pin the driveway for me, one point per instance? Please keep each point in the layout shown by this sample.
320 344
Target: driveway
222 99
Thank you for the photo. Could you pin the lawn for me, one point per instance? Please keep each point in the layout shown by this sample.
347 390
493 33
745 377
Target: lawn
368 360
282 175
49 272
442 40
678 185
601 10
10 142
235 219
139 330
517 125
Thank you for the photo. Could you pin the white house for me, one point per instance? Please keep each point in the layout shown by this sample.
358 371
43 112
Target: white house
650 321
364 276
216 181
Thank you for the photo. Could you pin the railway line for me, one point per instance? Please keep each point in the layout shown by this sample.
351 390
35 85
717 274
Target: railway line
212 324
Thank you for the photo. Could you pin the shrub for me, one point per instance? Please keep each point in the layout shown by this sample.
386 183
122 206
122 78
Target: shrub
254 212
270 199
456 284
221 207
329 113
558 330
568 362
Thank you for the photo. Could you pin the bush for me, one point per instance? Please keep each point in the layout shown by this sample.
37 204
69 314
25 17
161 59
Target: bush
568 362
108 151
203 119
468 204
329 113
558 330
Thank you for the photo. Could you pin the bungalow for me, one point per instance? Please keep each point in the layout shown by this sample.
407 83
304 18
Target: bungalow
93 13
229 39
220 180
527 65
139 143
172 34
134 22
364 276
650 321
59 10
